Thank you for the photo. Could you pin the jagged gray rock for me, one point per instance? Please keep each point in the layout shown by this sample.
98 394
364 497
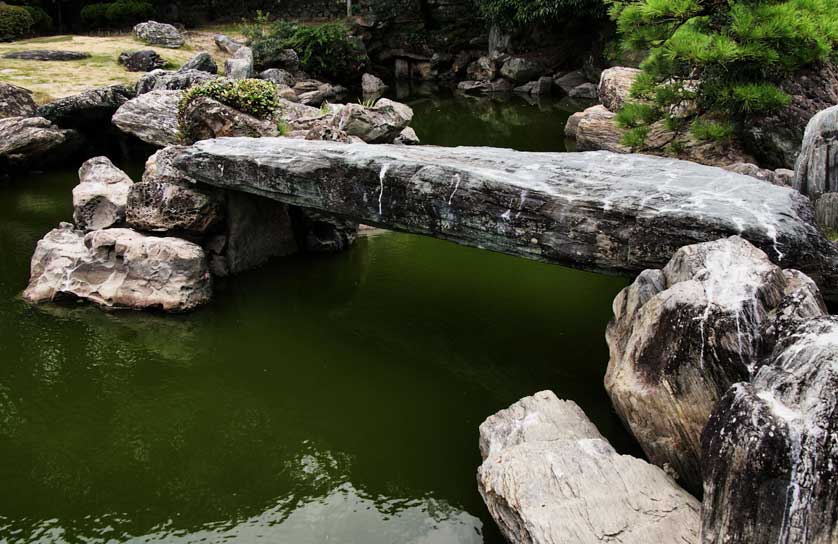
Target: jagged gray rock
16 101
34 142
100 197
202 62
141 61
205 118
282 78
597 211
816 170
151 117
240 66
286 59
164 80
615 85
227 44
520 70
89 110
683 335
119 268
381 123
162 34
770 449
549 477
372 85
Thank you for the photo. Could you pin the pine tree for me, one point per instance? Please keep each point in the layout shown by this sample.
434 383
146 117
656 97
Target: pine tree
722 57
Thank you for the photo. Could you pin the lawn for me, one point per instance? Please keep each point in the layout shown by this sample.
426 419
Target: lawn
51 80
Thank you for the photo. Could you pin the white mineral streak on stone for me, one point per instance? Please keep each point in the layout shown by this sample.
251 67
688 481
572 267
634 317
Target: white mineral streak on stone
381 177
549 477
457 179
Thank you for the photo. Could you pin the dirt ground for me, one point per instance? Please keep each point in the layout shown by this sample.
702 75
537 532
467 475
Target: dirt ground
49 80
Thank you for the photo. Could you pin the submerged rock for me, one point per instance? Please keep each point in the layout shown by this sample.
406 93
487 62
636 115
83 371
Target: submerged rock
549 477
162 34
141 61
16 101
201 62
151 117
119 268
163 80
34 143
681 336
598 211
770 450
99 199
381 123
89 110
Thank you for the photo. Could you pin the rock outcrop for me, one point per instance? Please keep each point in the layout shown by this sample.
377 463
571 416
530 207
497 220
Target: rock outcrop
683 335
372 85
381 123
205 118
227 44
100 197
240 65
151 117
160 34
615 86
89 110
33 143
141 61
47 55
549 477
597 211
282 78
816 171
119 268
770 449
16 101
163 80
202 62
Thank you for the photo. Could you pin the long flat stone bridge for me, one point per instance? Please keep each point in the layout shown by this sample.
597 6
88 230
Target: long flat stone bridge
595 211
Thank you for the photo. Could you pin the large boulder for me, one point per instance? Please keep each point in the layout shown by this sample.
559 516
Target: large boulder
372 85
227 44
681 336
286 59
240 65
816 171
163 80
16 101
119 268
160 34
615 86
521 70
770 450
775 138
47 55
141 61
549 477
89 110
151 117
202 62
33 142
483 69
166 202
381 123
318 96
282 78
569 81
595 129
100 197
205 118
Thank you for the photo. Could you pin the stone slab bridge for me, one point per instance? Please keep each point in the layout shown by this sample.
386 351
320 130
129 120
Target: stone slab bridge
595 211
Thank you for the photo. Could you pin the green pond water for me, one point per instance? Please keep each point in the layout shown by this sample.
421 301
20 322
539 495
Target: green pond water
318 399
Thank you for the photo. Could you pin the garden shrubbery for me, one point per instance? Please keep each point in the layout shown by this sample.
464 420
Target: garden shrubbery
254 97
120 14
15 22
719 61
41 21
326 51
519 13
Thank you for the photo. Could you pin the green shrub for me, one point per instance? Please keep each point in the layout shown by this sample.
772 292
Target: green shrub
41 21
254 97
326 51
634 114
635 138
725 58
15 23
709 130
121 14
518 13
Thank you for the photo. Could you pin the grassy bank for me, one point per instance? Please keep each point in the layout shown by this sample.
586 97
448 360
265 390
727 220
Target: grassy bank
51 80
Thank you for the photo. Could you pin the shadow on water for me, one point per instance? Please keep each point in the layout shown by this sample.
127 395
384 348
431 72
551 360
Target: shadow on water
317 398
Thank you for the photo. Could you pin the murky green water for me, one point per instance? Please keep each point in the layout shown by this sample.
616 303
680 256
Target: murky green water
318 399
